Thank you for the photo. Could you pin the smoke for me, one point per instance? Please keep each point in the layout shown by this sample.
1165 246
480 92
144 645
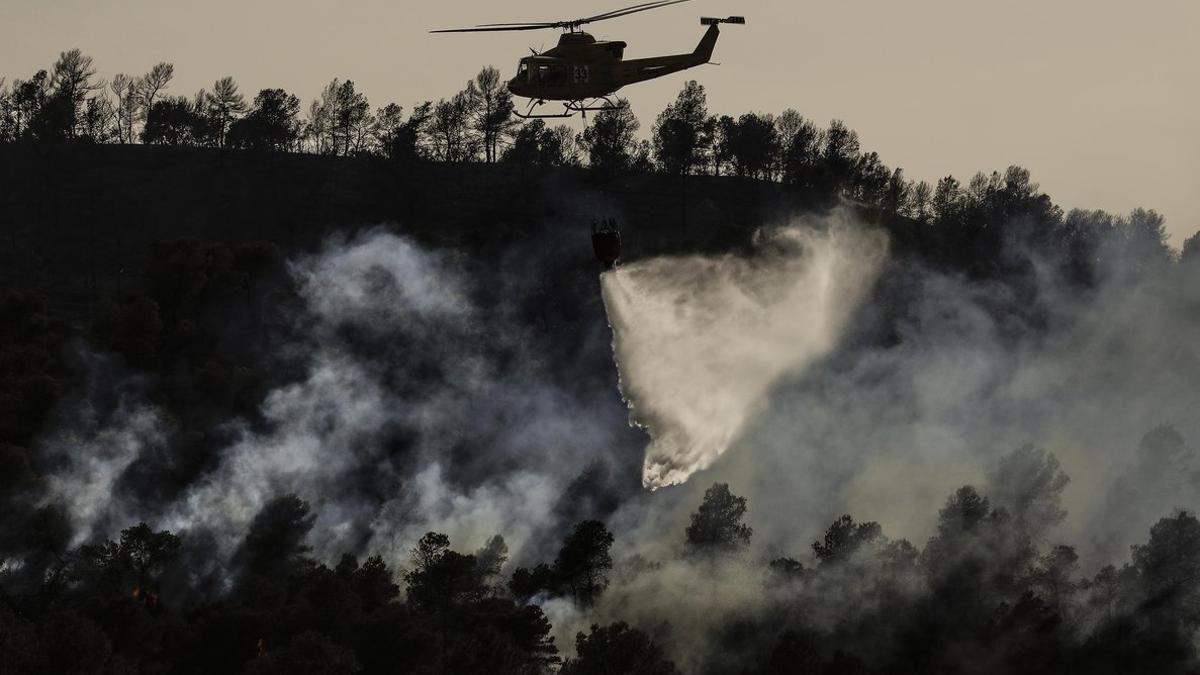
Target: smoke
814 374
700 341
967 373
414 409
948 381
93 458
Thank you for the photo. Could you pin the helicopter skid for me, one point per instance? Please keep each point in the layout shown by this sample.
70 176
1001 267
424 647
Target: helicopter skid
569 108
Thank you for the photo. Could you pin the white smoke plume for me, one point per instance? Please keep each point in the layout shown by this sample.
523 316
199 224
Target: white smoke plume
700 341
95 457
415 410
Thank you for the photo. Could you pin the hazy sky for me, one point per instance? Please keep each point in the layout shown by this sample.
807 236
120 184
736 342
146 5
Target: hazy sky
1100 99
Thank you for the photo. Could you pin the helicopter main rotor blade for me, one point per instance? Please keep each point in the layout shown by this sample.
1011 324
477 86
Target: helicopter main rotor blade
571 25
498 28
556 24
632 9
648 5
547 24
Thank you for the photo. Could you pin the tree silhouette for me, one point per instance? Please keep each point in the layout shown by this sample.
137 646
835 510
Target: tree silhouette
404 142
150 85
683 132
442 578
492 111
1028 482
225 104
801 148
372 581
844 538
978 554
340 121
583 561
1169 564
1163 459
869 179
1146 239
276 536
535 143
271 124
352 118
617 648
787 569
717 525
490 559
609 139
1053 576
947 202
132 566
526 147
389 121
97 121
1190 251
72 81
450 126
526 583
921 202
896 194
25 102
750 144
840 157
788 125
174 121
148 551
125 110
963 512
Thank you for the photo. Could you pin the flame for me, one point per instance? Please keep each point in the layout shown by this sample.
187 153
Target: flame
146 596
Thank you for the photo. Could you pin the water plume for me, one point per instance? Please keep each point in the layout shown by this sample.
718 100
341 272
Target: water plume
700 340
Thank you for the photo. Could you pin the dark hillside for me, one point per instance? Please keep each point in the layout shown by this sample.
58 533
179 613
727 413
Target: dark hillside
77 218
173 259
235 348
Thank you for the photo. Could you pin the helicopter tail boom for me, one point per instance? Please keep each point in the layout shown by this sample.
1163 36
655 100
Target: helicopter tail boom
640 70
704 50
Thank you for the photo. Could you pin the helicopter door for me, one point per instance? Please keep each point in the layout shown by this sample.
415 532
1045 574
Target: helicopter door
582 74
552 74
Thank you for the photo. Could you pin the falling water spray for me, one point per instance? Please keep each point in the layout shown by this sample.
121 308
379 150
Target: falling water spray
699 341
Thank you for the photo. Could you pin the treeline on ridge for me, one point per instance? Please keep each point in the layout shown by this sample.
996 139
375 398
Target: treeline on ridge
968 222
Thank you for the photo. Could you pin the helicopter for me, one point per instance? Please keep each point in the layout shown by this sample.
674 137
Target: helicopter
584 72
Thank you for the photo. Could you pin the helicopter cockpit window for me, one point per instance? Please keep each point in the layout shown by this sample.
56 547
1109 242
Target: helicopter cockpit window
548 74
522 72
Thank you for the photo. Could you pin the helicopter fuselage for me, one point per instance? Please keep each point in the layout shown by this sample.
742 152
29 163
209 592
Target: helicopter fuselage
581 67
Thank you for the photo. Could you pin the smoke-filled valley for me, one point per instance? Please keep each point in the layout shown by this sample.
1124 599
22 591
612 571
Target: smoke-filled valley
877 444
